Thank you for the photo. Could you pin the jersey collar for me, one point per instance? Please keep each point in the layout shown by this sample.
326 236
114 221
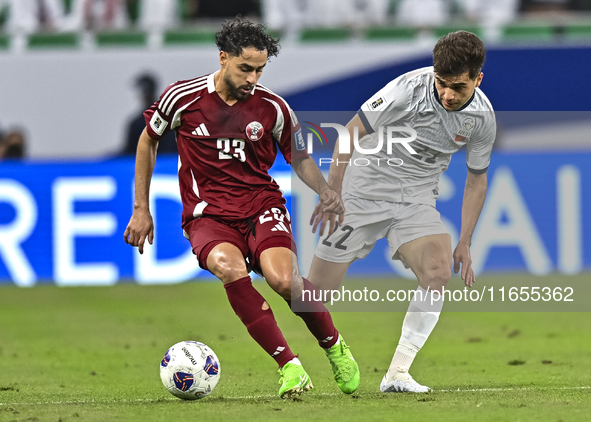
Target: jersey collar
211 83
436 95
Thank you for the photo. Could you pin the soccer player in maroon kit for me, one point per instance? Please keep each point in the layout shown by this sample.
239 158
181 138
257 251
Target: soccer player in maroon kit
228 129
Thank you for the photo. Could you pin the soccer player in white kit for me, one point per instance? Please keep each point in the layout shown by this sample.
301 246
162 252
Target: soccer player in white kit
396 199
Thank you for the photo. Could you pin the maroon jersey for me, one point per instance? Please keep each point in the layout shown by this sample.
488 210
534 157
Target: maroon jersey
225 151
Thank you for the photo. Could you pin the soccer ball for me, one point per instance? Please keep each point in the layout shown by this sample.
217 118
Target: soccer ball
190 370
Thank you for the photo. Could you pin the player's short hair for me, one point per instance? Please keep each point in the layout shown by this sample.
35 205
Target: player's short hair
238 33
457 53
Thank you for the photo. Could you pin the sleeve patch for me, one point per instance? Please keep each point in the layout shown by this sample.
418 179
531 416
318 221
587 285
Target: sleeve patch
299 138
365 122
158 124
377 103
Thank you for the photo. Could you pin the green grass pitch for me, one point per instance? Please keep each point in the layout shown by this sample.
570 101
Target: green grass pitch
93 354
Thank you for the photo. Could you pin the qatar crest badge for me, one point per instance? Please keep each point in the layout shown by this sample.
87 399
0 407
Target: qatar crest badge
254 131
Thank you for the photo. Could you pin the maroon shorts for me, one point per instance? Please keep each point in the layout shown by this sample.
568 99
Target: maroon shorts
270 229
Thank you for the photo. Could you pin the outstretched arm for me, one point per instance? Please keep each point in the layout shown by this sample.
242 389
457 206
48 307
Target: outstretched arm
141 224
474 195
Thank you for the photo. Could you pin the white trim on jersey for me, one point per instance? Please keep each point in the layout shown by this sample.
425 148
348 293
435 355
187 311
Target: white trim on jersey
211 83
195 187
198 211
181 95
176 119
294 119
268 91
180 87
279 122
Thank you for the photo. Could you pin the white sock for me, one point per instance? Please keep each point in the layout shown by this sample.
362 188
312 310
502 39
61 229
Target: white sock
421 317
295 361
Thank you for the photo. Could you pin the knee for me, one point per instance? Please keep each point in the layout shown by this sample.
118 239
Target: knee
226 267
286 286
436 275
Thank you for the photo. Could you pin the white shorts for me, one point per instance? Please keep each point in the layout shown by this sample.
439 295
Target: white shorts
367 221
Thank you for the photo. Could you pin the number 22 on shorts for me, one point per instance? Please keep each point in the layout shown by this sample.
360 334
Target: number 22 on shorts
339 243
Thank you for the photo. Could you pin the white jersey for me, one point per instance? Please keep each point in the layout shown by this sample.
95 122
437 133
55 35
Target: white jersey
412 101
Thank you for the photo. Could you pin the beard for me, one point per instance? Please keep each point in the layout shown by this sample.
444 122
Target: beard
235 91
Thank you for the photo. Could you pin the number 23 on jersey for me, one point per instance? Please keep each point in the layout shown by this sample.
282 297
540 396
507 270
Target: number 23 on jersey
231 148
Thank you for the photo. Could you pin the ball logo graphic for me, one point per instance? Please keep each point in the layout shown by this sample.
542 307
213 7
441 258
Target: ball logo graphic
183 381
254 131
166 359
211 366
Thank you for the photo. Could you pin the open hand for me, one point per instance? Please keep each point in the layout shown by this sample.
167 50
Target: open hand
319 216
140 227
462 256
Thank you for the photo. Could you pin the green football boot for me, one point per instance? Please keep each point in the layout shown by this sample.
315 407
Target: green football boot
294 381
344 367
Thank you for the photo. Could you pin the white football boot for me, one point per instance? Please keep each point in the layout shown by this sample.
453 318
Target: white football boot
402 383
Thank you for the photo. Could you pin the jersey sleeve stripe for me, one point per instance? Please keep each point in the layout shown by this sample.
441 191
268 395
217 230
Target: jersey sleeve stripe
182 85
365 122
292 115
168 109
279 123
268 91
477 171
174 90
176 119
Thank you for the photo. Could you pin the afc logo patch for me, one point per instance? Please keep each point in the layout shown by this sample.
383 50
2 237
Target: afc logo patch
254 131
299 140
157 123
377 103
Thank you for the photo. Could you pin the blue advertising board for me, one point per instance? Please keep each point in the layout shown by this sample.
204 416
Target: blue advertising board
63 222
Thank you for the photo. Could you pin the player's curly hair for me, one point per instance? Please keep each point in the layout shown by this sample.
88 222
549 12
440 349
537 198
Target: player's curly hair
238 33
459 52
